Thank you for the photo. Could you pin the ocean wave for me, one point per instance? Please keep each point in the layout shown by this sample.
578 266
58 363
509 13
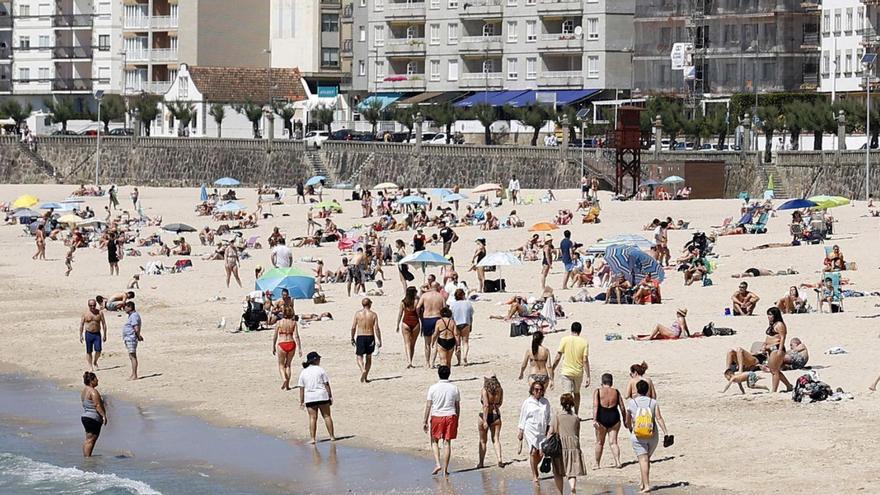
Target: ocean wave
25 472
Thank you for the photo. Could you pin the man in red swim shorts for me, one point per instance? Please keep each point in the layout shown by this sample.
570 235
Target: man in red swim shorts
441 418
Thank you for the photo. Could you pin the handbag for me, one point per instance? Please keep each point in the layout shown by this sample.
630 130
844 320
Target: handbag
552 447
546 464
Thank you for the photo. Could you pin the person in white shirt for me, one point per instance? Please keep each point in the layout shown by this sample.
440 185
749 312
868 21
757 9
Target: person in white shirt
315 394
534 420
513 187
441 418
463 314
451 286
282 256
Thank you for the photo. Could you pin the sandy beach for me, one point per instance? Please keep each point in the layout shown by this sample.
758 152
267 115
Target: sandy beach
752 443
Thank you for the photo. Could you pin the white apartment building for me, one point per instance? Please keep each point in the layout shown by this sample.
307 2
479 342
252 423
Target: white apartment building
845 27
405 46
149 45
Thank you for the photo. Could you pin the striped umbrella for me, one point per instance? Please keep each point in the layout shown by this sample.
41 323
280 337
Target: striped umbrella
626 239
633 263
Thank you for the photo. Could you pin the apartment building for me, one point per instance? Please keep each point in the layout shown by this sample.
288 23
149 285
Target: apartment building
58 47
744 45
405 46
842 46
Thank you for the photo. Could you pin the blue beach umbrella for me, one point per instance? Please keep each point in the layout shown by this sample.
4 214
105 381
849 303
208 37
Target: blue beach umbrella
449 198
230 207
633 263
226 182
797 204
299 283
412 200
650 183
424 259
673 179
441 191
314 181
203 193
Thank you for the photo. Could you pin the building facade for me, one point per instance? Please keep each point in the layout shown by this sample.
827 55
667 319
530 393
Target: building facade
843 30
741 45
404 46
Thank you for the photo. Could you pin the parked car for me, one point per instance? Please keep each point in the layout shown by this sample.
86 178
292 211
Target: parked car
583 143
400 137
364 136
121 131
89 132
316 138
683 147
664 145
342 135
59 132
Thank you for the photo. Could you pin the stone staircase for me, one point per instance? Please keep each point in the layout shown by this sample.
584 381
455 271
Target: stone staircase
40 162
357 171
314 160
780 191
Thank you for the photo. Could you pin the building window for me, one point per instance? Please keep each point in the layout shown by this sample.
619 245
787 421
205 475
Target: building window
104 42
836 69
826 61
378 5
567 26
412 32
104 8
412 68
378 35
849 20
768 71
488 66
531 2
44 74
329 23
531 68
44 10
511 3
24 74
512 35
593 67
453 4
531 30
435 4
329 57
435 70
826 21
24 10
45 41
847 67
769 34
488 29
512 72
452 33
860 19
435 34
452 70
362 68
24 41
362 33
363 3
380 70
103 74
836 20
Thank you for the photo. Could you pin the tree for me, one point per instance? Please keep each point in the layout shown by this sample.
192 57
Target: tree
797 119
406 116
146 108
325 115
487 115
218 111
444 115
62 111
254 113
183 112
770 122
286 112
717 124
112 108
569 114
534 116
372 112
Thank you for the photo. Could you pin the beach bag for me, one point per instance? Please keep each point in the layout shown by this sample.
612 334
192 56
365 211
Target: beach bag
551 446
643 424
707 281
546 464
519 329
494 285
809 389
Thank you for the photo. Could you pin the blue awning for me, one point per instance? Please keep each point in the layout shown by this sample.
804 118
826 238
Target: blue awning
384 98
493 98
563 96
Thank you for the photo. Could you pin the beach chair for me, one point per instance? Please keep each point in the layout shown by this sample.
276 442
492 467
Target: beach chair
760 226
836 298
252 242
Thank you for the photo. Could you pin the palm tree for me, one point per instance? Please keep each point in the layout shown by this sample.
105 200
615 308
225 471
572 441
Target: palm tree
325 115
444 115
487 115
218 111
286 112
372 113
534 116
12 109
62 111
146 106
770 122
406 116
112 108
254 113
183 112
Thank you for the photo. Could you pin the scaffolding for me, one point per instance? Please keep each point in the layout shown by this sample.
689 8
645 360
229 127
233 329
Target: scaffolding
696 27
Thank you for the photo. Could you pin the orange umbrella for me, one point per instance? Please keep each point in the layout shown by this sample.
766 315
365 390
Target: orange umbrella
543 227
487 187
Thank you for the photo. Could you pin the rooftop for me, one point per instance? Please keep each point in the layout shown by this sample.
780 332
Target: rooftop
241 84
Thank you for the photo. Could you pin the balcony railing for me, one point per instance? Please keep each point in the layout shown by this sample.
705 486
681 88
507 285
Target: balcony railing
405 46
810 39
481 8
560 41
71 21
72 84
72 52
561 78
559 6
347 46
157 87
347 12
163 54
135 56
139 22
481 80
412 83
164 22
405 10
481 44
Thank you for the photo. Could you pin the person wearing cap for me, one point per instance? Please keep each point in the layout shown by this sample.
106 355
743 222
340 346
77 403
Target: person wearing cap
674 331
315 395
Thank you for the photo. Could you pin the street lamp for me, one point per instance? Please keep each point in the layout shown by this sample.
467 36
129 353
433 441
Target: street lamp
868 60
99 95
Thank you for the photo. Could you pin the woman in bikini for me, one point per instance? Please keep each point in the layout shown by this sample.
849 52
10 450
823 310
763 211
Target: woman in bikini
284 343
537 355
408 324
491 397
608 411
637 374
230 257
446 338
546 259
774 347
678 329
479 254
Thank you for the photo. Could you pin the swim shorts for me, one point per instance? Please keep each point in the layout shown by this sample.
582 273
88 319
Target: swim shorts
131 345
444 427
93 342
428 325
364 344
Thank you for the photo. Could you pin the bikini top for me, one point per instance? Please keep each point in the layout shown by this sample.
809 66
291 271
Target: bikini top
282 330
771 330
448 326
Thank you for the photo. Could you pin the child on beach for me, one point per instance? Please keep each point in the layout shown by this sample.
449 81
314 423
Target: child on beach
135 282
750 378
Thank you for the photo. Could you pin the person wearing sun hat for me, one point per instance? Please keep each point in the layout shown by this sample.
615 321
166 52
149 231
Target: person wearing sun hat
677 330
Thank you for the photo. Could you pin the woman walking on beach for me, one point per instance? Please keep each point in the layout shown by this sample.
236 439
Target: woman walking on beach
446 338
114 201
315 395
546 259
608 413
230 257
479 254
284 343
463 314
534 419
645 414
537 356
408 324
113 253
567 425
94 415
636 374
491 398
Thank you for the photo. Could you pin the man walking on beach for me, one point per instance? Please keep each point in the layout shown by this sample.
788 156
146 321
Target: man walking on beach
513 189
93 331
131 335
448 236
574 352
282 257
365 337
430 304
441 418
565 248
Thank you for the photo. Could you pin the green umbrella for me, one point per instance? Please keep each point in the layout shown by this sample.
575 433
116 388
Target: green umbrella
824 202
330 205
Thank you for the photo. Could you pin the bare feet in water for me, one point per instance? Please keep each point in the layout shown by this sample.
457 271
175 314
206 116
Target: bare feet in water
436 470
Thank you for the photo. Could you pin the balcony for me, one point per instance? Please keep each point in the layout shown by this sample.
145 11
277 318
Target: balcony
73 21
163 55
157 87
560 42
164 22
415 82
72 52
72 85
562 79
347 46
137 56
347 12
405 10
481 9
810 40
139 22
405 46
559 7
481 80
870 38
481 44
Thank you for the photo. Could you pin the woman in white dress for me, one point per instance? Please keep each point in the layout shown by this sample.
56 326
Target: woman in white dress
534 420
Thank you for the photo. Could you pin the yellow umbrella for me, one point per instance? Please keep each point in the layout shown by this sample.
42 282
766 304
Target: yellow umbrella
25 201
70 218
386 185
825 202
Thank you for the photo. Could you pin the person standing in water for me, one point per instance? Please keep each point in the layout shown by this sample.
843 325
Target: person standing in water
315 395
285 343
93 332
131 336
365 337
442 411
94 415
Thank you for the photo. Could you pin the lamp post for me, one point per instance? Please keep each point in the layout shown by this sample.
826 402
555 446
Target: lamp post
99 95
868 61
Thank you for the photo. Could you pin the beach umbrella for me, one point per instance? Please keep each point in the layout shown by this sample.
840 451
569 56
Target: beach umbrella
25 201
26 213
178 228
386 185
330 205
441 191
412 200
624 239
449 198
650 183
70 219
500 258
55 206
543 227
632 263
673 179
825 202
226 182
203 193
487 187
230 207
796 204
299 283
425 259
92 222
314 181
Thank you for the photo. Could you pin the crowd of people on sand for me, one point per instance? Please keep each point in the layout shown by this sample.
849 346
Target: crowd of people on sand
441 311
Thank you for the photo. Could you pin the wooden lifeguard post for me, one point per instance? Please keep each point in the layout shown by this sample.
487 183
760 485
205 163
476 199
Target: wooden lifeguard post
628 148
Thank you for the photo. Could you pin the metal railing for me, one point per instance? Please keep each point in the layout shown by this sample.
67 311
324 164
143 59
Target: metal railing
164 22
138 22
72 52
163 54
81 20
481 39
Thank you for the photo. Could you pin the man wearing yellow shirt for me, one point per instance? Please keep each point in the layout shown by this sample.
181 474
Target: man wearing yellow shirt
574 352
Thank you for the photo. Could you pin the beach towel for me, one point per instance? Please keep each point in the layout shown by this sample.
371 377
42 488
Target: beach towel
548 313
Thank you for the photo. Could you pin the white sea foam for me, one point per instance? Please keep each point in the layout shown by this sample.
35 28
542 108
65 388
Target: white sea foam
41 476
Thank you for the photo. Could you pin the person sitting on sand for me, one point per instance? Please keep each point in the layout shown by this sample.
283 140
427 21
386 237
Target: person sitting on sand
647 291
834 261
696 270
584 272
117 302
516 308
677 330
828 295
792 302
135 282
161 249
514 221
750 378
744 301
183 248
797 356
619 288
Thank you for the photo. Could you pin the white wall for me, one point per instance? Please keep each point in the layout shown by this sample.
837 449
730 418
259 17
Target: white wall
295 34
845 76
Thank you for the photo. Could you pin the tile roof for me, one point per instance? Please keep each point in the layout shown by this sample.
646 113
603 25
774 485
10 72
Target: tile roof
242 84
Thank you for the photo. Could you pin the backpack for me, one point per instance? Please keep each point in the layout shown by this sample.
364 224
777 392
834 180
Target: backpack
808 388
643 424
